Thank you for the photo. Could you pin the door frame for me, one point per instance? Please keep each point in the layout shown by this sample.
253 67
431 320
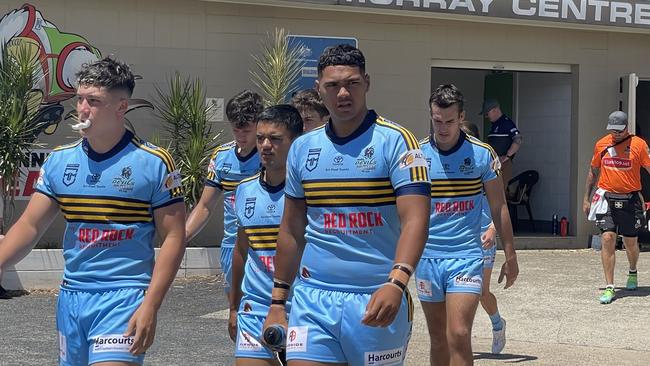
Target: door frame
570 69
501 65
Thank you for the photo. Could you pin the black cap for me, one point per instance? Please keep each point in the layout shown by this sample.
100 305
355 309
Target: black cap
488 105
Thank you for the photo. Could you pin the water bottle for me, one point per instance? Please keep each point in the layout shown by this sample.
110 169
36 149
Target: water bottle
275 337
554 225
564 226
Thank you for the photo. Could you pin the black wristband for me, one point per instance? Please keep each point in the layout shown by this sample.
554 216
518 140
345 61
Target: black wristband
278 302
403 269
277 284
397 282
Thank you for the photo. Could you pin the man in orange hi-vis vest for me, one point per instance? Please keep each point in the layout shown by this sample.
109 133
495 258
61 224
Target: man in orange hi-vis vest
617 206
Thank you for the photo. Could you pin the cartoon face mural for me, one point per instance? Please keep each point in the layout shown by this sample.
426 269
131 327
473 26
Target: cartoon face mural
61 54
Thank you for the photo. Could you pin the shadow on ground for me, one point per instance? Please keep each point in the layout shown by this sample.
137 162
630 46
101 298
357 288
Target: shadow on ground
506 357
641 291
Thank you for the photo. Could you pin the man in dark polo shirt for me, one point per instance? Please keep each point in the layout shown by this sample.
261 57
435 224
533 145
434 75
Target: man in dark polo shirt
504 137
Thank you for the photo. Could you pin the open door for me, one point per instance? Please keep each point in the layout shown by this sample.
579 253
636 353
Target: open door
500 86
638 119
627 98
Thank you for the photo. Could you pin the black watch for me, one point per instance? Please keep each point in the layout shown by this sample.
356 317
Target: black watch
509 157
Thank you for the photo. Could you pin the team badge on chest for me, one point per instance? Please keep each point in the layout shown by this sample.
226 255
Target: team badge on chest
70 174
249 207
312 159
226 168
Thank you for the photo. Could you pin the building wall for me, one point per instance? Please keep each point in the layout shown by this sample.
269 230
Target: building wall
213 41
471 83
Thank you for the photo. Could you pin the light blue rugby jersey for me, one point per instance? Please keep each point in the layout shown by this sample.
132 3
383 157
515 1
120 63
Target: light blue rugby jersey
225 171
457 178
259 208
350 187
108 201
486 215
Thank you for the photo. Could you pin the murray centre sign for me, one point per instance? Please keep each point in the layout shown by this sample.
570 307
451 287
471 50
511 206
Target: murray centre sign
623 13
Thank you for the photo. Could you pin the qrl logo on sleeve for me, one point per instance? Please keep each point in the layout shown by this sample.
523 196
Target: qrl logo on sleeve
112 343
173 180
412 159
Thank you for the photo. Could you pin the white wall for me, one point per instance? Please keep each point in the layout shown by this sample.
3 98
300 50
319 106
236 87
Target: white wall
544 119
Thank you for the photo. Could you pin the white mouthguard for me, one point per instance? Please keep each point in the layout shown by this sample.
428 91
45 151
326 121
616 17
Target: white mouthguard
81 125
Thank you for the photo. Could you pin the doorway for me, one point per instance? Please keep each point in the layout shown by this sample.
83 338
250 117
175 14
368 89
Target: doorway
540 103
643 131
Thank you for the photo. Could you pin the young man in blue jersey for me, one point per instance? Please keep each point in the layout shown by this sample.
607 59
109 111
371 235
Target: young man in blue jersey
449 275
354 226
259 205
311 108
229 164
115 192
488 239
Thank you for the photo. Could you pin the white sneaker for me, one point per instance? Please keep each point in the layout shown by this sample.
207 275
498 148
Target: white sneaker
499 338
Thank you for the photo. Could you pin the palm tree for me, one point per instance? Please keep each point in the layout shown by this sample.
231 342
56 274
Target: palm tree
19 125
278 68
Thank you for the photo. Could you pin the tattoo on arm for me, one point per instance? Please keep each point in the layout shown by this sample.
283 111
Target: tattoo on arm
592 177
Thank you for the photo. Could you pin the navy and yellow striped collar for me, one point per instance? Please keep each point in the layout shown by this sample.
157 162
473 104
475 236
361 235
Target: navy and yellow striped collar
459 143
92 154
368 121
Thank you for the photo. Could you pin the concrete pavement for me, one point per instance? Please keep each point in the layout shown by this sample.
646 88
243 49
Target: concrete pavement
553 315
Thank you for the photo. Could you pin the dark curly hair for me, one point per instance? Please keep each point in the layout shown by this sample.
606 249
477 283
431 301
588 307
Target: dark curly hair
244 108
286 115
447 95
107 73
343 54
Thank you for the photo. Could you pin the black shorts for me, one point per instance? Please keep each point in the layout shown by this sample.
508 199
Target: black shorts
625 213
